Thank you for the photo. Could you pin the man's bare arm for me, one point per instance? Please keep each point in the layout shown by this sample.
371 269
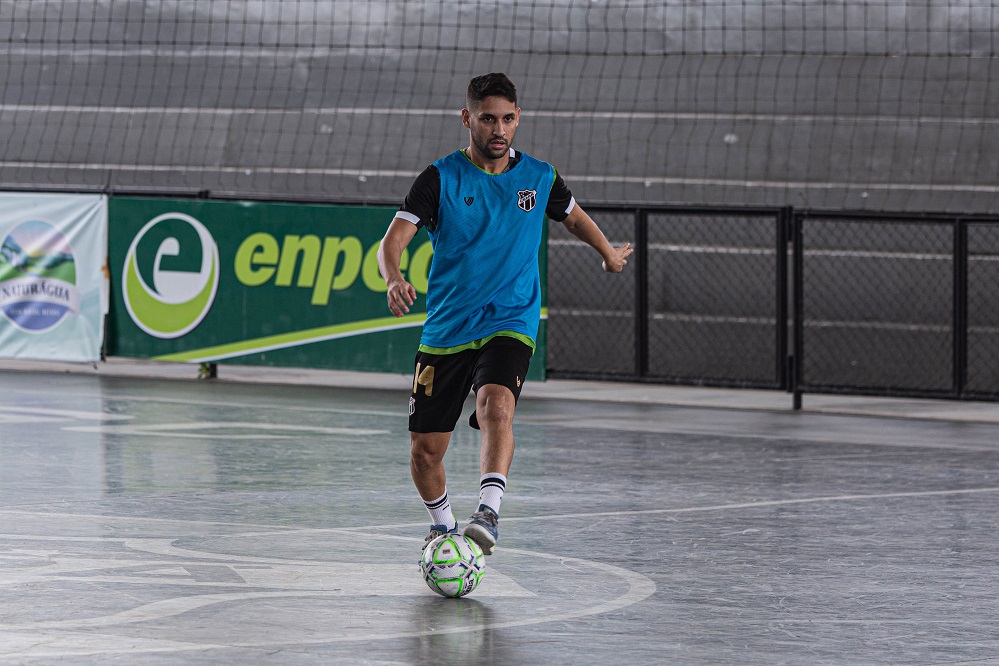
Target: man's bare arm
585 229
401 294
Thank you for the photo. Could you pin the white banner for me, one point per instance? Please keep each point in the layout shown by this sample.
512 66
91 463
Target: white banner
53 276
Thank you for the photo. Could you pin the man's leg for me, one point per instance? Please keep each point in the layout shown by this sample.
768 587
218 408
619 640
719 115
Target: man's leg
426 465
426 462
494 408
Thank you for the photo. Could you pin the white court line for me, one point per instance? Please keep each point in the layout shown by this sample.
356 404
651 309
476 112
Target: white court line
65 413
49 643
289 529
871 438
716 507
640 587
21 511
15 418
400 413
258 430
764 503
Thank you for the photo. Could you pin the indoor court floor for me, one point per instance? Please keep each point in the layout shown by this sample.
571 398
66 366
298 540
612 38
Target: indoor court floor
163 521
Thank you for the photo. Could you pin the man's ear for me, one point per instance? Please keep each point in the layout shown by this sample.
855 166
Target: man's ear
466 118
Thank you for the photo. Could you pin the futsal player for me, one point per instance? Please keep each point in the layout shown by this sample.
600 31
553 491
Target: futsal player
484 207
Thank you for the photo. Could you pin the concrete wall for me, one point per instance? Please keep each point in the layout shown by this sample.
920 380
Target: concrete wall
861 105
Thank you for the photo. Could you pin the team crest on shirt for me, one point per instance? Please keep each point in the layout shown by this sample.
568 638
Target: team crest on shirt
526 199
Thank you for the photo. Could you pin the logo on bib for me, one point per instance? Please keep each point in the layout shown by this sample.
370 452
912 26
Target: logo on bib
526 199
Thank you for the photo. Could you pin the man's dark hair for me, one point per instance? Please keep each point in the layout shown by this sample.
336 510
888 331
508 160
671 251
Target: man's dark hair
490 85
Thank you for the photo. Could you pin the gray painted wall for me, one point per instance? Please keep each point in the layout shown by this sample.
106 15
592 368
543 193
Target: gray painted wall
879 105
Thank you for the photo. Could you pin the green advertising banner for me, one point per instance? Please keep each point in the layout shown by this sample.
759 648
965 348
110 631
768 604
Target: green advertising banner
288 285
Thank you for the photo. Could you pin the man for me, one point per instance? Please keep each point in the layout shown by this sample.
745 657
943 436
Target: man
484 207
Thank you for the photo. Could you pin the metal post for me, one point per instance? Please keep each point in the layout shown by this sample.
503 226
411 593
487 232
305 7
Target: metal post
641 264
797 284
960 322
784 220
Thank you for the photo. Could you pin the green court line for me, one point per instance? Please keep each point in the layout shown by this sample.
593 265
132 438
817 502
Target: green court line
296 338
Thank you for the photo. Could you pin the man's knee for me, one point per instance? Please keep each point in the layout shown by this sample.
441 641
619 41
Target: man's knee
427 449
494 405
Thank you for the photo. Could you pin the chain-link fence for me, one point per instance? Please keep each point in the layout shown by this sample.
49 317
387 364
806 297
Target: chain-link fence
592 315
808 302
713 298
700 303
877 304
982 376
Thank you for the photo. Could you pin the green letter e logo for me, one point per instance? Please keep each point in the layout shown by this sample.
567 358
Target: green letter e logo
170 276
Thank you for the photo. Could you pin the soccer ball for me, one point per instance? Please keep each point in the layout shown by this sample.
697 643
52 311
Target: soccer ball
452 565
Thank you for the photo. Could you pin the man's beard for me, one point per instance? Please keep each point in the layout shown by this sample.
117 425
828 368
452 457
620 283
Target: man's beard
489 151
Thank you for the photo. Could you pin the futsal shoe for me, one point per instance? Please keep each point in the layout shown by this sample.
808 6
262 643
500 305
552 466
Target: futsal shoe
483 529
436 531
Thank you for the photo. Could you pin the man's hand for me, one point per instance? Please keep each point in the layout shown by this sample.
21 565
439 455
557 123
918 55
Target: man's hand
400 296
616 262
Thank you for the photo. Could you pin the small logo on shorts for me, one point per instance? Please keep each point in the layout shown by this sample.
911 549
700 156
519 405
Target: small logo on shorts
526 199
518 381
412 406
469 200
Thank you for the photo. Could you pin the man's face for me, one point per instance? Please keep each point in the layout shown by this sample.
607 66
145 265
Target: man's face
491 125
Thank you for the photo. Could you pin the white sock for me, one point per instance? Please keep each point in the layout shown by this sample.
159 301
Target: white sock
440 512
491 488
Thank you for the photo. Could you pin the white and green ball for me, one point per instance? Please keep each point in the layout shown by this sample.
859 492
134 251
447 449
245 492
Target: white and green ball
452 565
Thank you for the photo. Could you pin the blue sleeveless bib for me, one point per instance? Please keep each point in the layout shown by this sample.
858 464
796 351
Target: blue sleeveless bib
484 277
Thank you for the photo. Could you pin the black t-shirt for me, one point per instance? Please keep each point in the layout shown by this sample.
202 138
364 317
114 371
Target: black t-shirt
423 200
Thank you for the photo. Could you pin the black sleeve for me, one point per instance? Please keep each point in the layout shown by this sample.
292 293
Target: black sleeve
558 200
424 198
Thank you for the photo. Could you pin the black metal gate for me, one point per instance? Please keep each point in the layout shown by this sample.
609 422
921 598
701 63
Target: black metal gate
801 301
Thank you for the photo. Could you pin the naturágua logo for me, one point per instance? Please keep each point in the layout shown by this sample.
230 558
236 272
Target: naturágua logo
171 275
37 277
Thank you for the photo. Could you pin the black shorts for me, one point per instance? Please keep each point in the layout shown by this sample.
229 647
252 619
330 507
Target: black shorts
442 381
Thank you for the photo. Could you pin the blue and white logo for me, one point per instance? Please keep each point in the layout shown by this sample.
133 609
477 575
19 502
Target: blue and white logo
37 277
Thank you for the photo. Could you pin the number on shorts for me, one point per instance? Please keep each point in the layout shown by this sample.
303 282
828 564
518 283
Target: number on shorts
424 379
